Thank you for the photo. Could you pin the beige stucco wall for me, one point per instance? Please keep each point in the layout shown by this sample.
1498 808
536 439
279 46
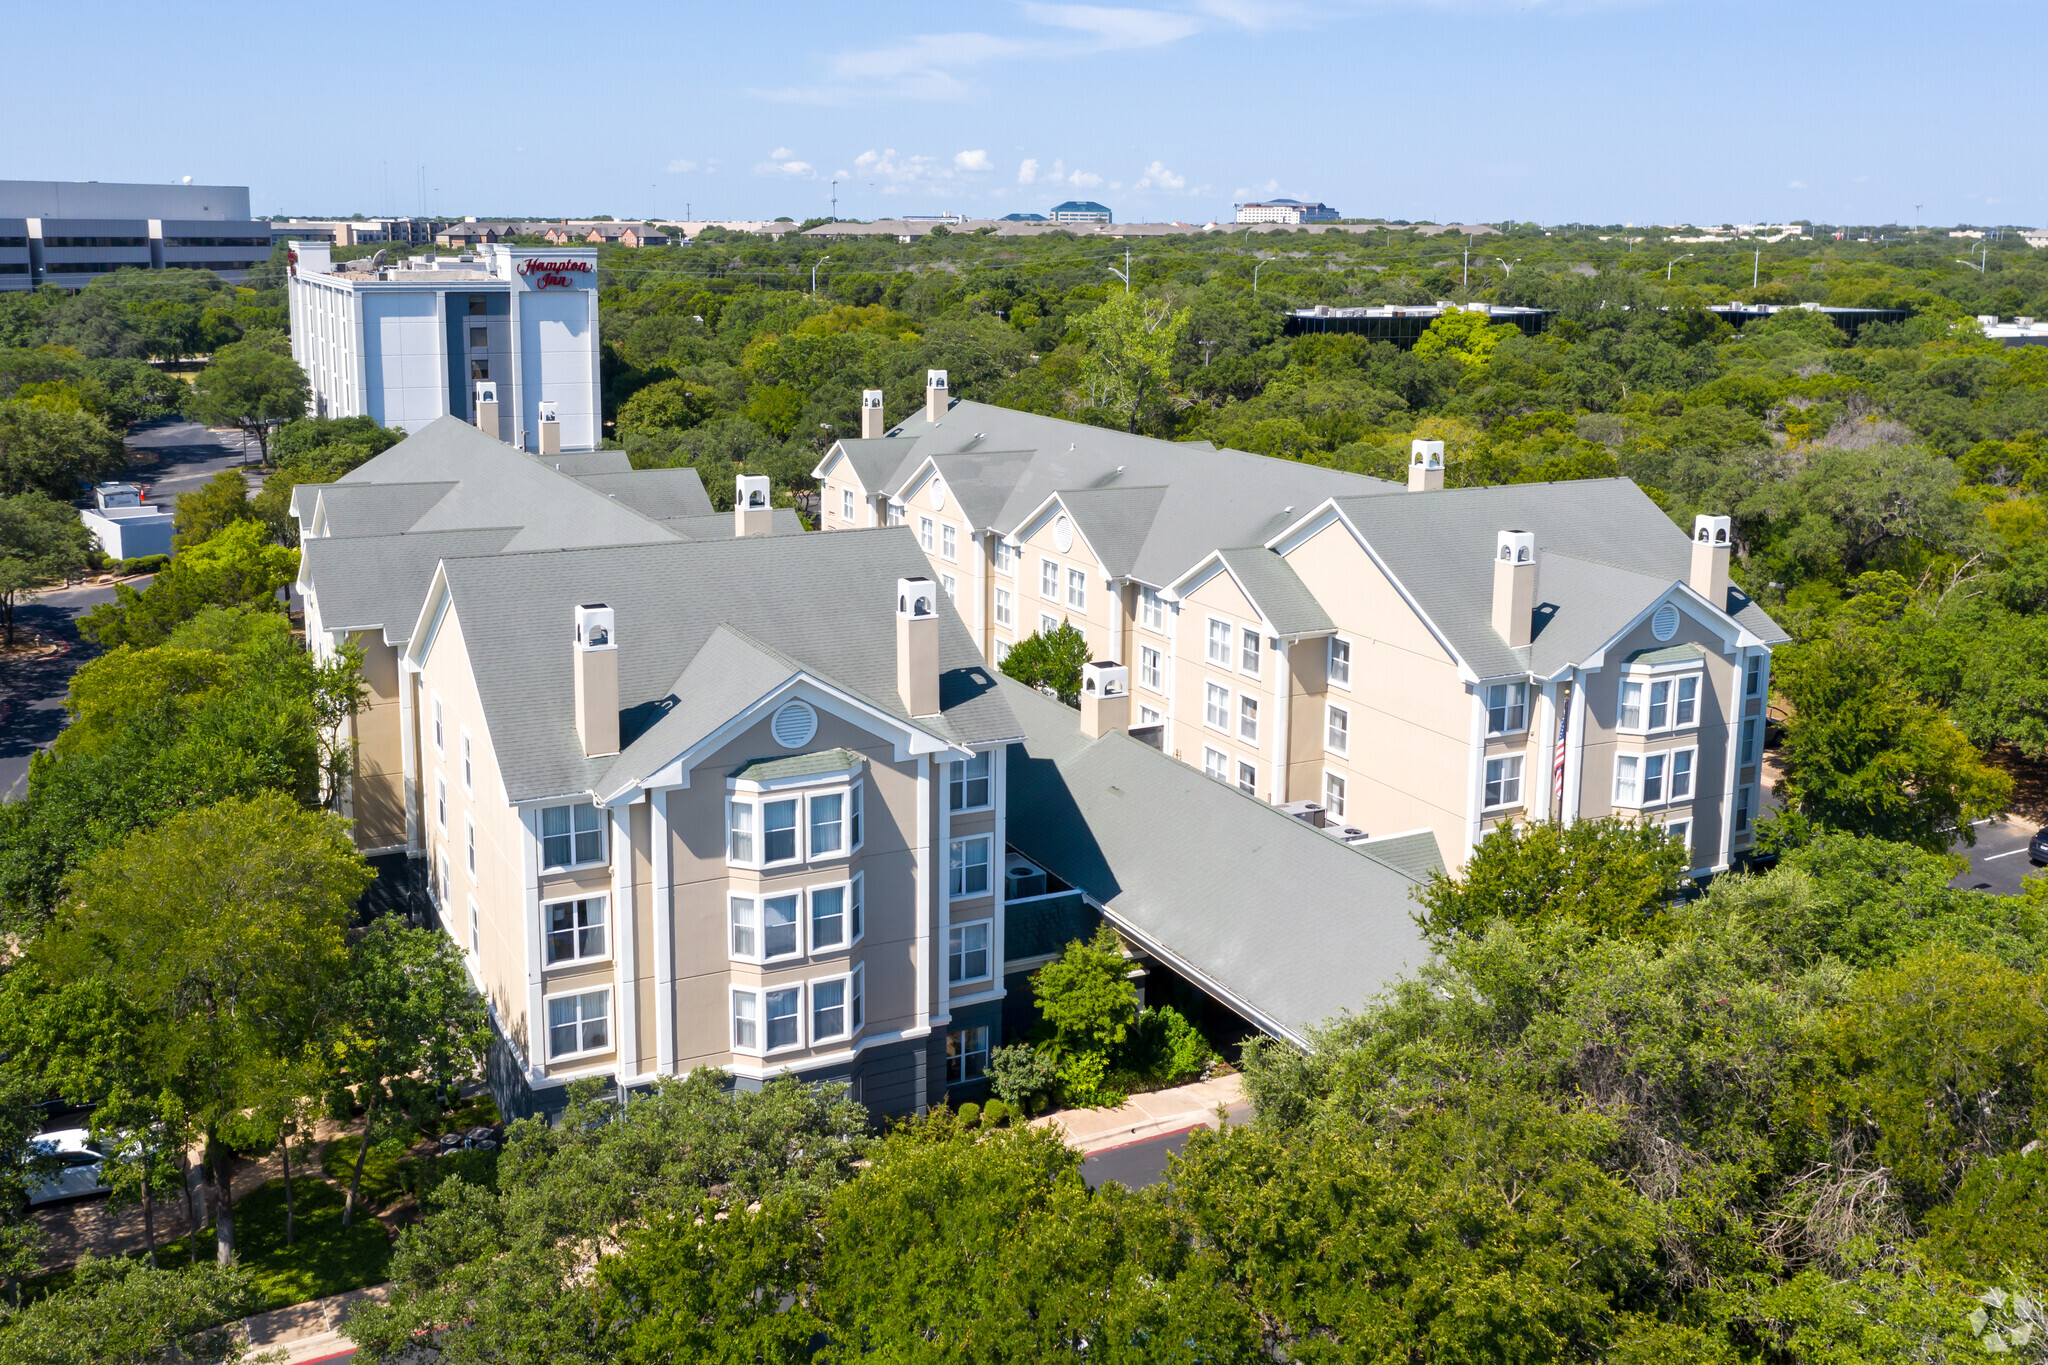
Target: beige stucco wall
1220 599
1100 619
377 782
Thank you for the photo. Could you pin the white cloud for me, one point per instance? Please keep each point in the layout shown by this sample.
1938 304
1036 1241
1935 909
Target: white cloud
782 164
1087 180
1027 172
678 166
1157 177
1246 192
1796 185
781 154
972 161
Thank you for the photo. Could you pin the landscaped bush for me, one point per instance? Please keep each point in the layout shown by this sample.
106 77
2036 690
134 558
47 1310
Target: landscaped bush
995 1114
128 568
970 1115
1022 1076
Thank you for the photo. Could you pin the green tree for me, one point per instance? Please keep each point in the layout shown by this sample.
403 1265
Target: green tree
407 1027
236 567
221 931
1469 338
1612 875
250 387
666 405
1863 754
41 542
121 1312
54 451
1085 994
1050 661
1130 342
214 506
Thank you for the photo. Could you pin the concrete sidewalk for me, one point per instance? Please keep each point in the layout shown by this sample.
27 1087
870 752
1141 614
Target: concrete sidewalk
1148 1115
309 1331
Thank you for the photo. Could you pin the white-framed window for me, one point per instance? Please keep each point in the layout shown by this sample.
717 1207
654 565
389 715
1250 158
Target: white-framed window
1628 769
1006 556
468 764
1333 794
1749 728
967 955
575 930
924 533
1248 718
469 844
746 1021
1687 710
967 783
1743 796
1754 685
440 728
769 1020
1247 778
1219 642
827 824
1150 674
579 1024
846 505
828 917
763 833
1003 648
441 879
895 514
1216 764
1507 708
1504 781
476 928
1651 706
1337 730
1681 774
1048 580
1340 662
1654 773
1148 715
571 836
949 541
950 586
967 867
966 1054
441 801
856 906
1077 589
1249 651
831 1009
1003 610
856 833
765 928
1216 707
1629 714
1046 624
1681 832
1151 610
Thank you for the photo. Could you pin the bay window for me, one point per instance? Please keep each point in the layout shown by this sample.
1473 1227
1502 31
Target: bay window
828 1010
1681 774
1627 771
828 823
778 926
1688 702
784 1024
828 917
1653 778
1629 715
778 831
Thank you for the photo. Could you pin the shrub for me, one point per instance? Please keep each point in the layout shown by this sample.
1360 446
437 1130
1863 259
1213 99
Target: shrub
128 568
1086 995
1179 1050
1022 1076
970 1114
1085 1082
994 1114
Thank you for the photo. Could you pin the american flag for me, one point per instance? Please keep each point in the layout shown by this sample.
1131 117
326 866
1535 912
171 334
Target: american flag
1557 759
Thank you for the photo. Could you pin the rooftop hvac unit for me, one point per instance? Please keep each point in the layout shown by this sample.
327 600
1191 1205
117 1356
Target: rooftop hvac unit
1310 813
1022 878
1350 835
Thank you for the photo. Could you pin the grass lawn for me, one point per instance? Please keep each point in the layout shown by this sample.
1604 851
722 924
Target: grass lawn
322 1260
380 1168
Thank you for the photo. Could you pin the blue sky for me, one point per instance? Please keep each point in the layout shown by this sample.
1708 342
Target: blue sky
1681 111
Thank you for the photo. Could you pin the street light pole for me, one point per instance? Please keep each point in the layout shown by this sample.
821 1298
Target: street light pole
1984 260
1756 267
1674 261
1255 276
814 275
1508 267
1125 273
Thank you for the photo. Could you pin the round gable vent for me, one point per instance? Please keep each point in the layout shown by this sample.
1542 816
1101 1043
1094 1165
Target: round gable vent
1664 622
1063 533
939 494
793 725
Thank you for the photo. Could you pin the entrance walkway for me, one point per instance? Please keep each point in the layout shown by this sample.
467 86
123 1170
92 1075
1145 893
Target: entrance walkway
1149 1115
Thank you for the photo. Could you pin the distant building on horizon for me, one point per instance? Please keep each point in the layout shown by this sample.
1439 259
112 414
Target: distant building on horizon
1081 211
1022 218
1286 211
68 233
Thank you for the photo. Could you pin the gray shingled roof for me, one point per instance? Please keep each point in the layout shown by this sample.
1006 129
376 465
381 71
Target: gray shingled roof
879 461
1277 590
1280 920
1604 552
782 521
981 481
799 765
1115 521
376 509
658 493
364 582
581 464
825 603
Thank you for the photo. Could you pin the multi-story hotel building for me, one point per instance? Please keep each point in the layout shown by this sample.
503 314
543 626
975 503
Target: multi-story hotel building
1398 658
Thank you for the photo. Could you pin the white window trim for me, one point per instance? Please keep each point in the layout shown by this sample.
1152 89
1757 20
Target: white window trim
1337 806
1209 642
1245 699
1647 677
476 930
1692 775
1615 798
1229 711
437 725
469 857
611 1020
468 759
1209 752
949 542
1258 640
1521 780
563 964
604 839
989 804
989 839
1486 704
808 917
927 534
988 950
1150 601
846 1008
1006 557
1670 757
760 896
759 801
1350 661
1345 712
1077 586
441 800
1006 608
1158 653
1054 595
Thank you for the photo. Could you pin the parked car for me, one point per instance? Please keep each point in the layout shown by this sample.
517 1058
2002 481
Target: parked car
78 1173
2037 850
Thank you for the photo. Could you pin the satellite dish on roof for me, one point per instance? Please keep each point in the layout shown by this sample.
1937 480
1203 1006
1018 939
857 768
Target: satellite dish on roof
377 261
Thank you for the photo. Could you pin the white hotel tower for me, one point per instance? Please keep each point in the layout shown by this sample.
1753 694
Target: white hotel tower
507 331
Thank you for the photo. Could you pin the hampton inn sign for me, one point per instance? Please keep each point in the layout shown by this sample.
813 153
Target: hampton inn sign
540 274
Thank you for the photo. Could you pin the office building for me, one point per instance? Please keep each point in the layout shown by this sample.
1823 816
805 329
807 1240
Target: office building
1397 659
69 233
505 337
1080 211
357 231
1285 211
1404 324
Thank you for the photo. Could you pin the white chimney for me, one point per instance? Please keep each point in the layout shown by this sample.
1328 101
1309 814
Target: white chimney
1425 466
487 407
1711 544
1105 698
1514 587
597 680
751 514
550 428
934 395
872 427
917 645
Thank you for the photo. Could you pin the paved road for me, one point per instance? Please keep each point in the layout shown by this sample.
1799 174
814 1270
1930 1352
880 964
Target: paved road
1135 1164
169 456
1999 861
